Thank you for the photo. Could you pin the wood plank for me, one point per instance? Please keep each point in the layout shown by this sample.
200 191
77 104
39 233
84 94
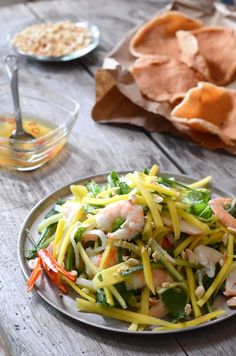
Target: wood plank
32 327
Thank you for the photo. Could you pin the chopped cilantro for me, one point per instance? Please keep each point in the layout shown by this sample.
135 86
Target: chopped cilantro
93 188
79 234
117 224
114 181
175 300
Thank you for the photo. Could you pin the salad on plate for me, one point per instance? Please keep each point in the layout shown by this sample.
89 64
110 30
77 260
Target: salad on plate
141 248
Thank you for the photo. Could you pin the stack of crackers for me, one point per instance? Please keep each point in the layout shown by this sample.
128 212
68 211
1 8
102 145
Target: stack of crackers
182 62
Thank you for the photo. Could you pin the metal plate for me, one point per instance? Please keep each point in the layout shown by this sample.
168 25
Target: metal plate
69 57
66 303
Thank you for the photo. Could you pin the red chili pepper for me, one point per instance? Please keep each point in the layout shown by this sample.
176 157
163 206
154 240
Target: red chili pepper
166 243
50 261
47 263
34 275
55 278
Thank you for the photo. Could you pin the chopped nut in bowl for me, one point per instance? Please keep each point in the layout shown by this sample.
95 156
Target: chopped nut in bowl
56 41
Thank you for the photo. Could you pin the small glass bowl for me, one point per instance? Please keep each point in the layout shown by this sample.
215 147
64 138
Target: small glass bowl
95 40
50 109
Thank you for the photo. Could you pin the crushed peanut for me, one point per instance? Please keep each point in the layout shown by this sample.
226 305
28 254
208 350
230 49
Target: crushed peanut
132 262
52 39
191 256
199 291
187 309
156 256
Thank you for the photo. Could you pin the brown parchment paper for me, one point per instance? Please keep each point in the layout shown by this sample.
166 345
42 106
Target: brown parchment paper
118 99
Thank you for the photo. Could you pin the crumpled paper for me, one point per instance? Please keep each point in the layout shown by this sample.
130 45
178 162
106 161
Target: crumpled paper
118 98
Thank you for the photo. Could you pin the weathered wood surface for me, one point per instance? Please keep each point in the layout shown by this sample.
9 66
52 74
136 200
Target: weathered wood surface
28 325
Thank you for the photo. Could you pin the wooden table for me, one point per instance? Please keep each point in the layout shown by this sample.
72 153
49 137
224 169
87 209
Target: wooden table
28 326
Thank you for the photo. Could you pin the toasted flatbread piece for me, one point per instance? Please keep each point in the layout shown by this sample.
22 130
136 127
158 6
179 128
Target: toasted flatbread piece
158 35
210 51
161 78
209 109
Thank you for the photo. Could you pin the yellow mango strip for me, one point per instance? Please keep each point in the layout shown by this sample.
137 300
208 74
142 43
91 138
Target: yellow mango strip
192 287
183 245
149 200
200 320
88 263
89 223
147 229
144 309
79 191
147 270
109 276
174 218
163 258
159 233
104 201
66 240
115 313
106 193
156 187
133 327
58 236
118 297
49 221
79 290
201 183
179 268
154 170
218 280
214 238
127 245
79 215
109 296
107 201
94 270
106 253
214 231
64 245
180 262
140 200
194 221
197 240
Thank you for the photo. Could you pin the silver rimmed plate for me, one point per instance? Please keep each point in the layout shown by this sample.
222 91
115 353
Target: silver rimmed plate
95 40
66 303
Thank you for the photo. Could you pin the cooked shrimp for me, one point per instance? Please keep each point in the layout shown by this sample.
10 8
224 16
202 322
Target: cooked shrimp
137 279
124 209
208 257
217 205
159 310
230 284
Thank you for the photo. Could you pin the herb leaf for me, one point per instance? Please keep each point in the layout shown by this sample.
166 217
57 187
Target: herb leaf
79 234
114 181
175 300
93 188
198 202
117 224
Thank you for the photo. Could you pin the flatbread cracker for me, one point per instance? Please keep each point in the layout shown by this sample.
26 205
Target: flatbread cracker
158 35
210 51
209 109
160 78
